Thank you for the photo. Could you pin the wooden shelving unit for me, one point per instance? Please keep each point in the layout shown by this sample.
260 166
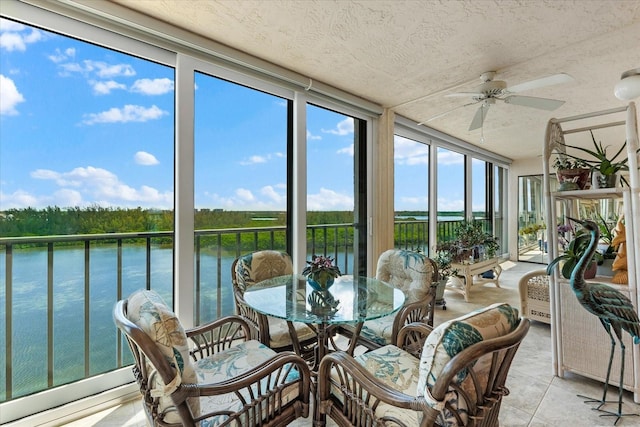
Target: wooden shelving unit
580 343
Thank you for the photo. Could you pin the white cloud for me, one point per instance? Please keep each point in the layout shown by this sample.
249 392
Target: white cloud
245 195
7 25
105 87
18 199
409 153
66 198
311 137
270 197
93 185
328 200
60 56
414 201
346 150
10 97
88 67
145 159
345 127
152 86
450 205
14 36
106 71
129 113
448 157
254 160
271 193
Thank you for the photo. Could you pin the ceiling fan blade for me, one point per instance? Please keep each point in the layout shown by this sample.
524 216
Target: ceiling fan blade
437 116
464 94
534 102
478 119
555 79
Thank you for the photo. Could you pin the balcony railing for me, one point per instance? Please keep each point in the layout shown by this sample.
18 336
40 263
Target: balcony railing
58 291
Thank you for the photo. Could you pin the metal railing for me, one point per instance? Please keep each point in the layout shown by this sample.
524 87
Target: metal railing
132 261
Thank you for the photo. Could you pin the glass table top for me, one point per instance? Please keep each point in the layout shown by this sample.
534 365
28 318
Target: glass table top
349 300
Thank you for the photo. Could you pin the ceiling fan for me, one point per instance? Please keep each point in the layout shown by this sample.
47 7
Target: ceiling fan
492 90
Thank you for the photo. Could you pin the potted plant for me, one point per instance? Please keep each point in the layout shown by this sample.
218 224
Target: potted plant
605 247
605 170
321 272
572 173
470 240
443 259
574 251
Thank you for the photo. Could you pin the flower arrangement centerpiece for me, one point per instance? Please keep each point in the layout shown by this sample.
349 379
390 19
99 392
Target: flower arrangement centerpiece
321 272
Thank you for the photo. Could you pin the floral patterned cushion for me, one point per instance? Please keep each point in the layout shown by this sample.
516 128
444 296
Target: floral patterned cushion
149 312
261 265
229 364
378 330
453 336
279 332
395 368
406 270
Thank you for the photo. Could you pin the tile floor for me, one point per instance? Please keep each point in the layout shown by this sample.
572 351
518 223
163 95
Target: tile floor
537 399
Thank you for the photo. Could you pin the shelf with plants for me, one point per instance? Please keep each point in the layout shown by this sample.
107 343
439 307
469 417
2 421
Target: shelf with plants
579 342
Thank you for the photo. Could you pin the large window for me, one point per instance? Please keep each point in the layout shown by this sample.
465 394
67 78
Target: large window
451 186
334 146
479 181
411 194
86 150
240 180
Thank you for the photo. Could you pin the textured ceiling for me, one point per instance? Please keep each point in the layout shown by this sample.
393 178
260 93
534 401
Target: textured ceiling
406 55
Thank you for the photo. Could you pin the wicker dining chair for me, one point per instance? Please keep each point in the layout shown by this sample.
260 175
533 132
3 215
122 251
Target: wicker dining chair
211 375
417 276
456 376
273 332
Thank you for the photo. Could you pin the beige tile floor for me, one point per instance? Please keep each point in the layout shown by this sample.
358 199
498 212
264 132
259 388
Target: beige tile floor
537 398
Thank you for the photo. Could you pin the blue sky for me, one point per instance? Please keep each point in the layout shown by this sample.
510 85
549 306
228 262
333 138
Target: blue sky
83 125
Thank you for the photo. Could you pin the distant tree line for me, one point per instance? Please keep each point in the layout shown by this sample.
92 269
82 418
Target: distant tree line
54 220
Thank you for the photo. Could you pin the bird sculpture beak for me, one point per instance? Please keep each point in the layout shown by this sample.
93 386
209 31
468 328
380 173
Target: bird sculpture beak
576 220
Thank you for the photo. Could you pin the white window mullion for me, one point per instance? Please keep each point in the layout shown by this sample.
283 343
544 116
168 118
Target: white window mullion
184 191
299 214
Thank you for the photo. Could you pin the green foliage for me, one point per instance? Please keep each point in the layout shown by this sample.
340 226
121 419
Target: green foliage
470 234
531 229
575 250
600 161
444 259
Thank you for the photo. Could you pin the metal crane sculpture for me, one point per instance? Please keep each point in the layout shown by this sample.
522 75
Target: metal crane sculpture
613 309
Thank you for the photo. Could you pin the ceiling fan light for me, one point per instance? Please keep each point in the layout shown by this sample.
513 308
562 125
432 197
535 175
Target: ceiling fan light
629 85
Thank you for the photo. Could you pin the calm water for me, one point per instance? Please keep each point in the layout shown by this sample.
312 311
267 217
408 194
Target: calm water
30 299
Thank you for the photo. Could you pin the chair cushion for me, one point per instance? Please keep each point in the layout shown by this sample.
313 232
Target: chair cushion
279 332
151 314
453 336
378 330
231 363
395 368
406 270
261 265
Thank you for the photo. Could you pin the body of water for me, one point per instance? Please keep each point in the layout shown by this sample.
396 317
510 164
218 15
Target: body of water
31 297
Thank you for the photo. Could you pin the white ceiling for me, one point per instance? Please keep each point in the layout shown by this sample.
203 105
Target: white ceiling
406 55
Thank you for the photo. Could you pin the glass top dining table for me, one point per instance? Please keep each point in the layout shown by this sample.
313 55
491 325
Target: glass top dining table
349 300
